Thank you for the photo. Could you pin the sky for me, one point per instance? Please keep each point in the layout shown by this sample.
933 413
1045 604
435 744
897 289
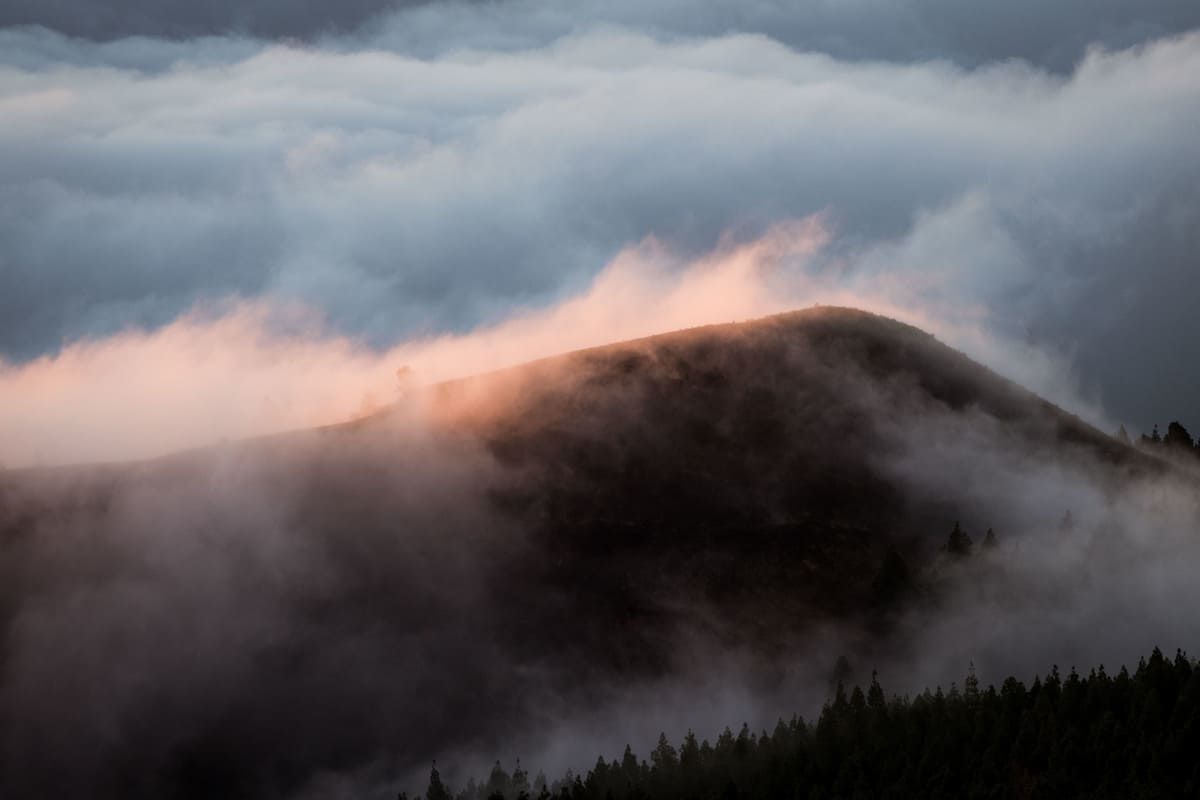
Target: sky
367 181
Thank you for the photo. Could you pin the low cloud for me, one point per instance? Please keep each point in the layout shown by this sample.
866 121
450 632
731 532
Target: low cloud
212 232
254 369
403 197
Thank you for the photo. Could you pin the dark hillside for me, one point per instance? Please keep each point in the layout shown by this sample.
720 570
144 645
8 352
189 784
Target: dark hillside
737 467
197 625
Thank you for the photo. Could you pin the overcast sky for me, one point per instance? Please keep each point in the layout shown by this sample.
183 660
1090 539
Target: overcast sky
413 169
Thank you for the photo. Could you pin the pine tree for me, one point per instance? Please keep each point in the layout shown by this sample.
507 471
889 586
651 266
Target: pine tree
971 683
689 754
1178 436
629 764
875 698
437 790
1123 435
959 543
498 782
519 786
989 540
663 756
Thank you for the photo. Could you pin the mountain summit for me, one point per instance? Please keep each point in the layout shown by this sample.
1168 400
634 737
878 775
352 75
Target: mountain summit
538 535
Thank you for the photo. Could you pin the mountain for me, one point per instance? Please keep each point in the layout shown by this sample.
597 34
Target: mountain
430 576
742 467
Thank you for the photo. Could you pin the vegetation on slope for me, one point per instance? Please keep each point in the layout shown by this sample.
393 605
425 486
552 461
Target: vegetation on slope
1080 736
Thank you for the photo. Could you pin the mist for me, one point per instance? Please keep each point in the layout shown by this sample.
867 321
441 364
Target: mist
395 381
329 610
273 367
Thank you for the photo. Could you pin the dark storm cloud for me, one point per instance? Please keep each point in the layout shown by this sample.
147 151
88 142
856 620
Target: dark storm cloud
1052 35
182 18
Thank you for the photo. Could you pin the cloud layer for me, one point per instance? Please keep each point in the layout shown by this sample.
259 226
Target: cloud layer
1050 35
210 230
451 166
267 369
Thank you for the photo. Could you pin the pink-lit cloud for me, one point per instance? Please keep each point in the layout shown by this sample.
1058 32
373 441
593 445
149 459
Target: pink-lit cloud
203 378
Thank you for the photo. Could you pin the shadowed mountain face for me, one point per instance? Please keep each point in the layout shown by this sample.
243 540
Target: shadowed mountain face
742 473
238 621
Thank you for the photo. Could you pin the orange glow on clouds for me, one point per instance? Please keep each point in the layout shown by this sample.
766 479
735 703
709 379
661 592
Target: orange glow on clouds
200 380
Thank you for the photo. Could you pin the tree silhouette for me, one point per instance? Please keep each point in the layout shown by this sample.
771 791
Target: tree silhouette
959 543
1080 735
1178 436
663 756
989 540
498 781
437 790
971 683
519 785
1123 435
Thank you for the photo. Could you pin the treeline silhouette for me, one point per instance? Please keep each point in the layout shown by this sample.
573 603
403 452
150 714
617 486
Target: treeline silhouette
1095 736
1177 439
959 543
896 583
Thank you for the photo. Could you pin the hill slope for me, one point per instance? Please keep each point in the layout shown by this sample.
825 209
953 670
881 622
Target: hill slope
745 466
198 624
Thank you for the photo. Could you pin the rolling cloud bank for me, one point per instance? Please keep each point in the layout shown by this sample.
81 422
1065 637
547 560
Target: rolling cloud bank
224 227
404 192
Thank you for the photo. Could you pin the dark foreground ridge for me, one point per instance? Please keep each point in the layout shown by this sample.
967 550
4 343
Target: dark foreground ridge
240 620
1094 736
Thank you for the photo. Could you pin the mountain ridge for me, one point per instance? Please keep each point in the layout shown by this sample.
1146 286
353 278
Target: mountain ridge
610 517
